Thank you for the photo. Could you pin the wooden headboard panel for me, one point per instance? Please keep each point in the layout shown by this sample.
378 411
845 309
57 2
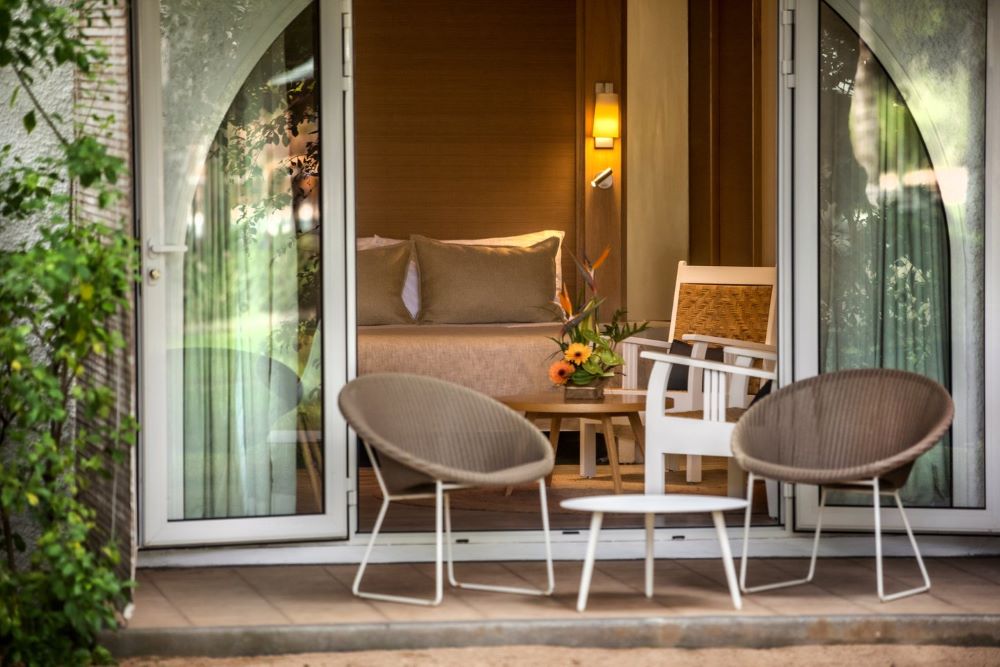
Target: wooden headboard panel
465 118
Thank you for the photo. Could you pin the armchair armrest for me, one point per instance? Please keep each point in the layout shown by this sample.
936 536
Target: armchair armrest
728 342
705 364
742 351
647 342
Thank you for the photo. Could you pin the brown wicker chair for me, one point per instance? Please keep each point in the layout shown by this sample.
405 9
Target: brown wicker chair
849 430
426 437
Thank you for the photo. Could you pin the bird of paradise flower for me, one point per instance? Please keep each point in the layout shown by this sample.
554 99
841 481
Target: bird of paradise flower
588 349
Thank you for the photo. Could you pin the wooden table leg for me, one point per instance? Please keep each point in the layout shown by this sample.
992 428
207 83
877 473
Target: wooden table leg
639 431
555 423
612 445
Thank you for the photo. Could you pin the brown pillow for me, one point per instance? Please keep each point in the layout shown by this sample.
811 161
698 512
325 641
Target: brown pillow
380 276
478 284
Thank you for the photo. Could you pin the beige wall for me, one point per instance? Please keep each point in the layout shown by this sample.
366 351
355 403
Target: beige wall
657 153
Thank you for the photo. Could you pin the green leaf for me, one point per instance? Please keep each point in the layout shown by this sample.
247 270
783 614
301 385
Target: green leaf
29 121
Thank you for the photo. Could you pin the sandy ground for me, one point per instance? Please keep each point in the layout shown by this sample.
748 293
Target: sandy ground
545 656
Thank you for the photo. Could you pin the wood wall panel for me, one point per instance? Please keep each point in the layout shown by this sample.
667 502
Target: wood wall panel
657 160
601 58
466 118
728 130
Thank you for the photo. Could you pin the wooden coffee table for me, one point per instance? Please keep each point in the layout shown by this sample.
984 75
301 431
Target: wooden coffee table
554 406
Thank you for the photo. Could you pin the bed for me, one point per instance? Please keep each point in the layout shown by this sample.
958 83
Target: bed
495 359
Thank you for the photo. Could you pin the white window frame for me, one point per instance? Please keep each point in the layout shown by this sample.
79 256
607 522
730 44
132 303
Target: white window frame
806 268
155 528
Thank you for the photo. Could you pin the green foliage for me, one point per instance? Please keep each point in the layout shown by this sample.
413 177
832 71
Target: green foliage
56 297
590 347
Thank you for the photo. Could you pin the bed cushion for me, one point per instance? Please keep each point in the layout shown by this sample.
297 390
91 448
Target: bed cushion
472 284
381 271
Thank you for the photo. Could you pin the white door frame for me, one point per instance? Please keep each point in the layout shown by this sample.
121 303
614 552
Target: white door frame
806 268
570 544
155 528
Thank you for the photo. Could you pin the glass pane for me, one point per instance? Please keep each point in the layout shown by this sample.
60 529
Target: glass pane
241 163
901 213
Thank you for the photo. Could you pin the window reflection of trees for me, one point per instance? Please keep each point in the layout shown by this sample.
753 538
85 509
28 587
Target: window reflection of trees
884 258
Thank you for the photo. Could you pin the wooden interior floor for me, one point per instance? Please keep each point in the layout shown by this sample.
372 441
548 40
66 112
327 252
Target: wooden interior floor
491 509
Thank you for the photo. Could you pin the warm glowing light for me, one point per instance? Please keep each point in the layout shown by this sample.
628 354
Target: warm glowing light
606 120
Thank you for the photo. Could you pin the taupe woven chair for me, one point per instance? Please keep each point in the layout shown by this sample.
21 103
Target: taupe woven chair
849 430
426 437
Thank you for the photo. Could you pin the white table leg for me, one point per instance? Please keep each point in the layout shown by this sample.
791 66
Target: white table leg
588 562
727 558
588 448
650 527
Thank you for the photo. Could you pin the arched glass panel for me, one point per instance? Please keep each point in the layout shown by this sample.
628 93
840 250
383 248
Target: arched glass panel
889 217
242 174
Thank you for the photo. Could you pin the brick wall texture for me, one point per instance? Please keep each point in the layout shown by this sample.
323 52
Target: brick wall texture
109 94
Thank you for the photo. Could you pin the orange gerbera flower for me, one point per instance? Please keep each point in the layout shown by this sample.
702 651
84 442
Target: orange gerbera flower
577 353
560 371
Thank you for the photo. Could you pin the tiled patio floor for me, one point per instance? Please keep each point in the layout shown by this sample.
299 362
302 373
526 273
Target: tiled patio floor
320 595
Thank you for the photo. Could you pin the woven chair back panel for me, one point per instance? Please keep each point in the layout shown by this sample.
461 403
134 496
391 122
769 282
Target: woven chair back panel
422 421
727 311
843 426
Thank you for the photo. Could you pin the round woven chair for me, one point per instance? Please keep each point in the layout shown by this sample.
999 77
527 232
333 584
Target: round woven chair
426 437
850 430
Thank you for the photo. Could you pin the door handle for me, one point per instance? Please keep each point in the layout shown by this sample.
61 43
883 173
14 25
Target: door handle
158 249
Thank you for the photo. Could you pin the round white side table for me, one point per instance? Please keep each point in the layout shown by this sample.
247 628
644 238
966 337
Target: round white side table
650 506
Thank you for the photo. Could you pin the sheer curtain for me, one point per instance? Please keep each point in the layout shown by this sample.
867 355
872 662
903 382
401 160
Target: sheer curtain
237 367
884 256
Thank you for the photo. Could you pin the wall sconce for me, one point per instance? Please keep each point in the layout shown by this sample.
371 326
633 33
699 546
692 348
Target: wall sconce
605 116
603 180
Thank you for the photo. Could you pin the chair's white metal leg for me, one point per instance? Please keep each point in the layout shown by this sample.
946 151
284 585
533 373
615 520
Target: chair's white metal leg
878 540
654 482
447 540
650 541
916 552
746 541
746 533
438 587
727 558
550 571
439 547
356 588
588 561
693 474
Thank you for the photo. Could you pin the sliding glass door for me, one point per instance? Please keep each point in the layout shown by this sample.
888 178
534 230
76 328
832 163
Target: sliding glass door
243 227
894 238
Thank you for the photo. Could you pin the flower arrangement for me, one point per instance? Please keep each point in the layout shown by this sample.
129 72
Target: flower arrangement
588 349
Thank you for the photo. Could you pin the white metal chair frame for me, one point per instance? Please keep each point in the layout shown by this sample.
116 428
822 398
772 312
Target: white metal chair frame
877 493
443 543
708 436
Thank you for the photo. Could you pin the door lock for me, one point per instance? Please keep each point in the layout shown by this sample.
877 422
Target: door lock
154 275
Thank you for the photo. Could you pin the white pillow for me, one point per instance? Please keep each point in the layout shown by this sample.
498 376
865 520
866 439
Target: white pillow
411 286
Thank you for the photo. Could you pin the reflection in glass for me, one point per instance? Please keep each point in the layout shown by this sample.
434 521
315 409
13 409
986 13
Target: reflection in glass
244 299
885 274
